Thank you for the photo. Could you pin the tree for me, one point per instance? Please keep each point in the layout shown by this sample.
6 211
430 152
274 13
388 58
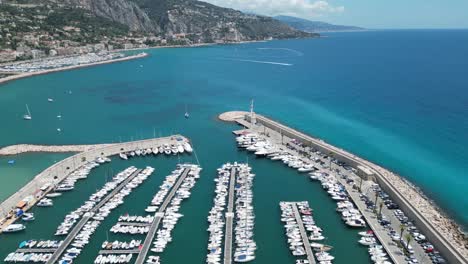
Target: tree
380 209
402 229
408 238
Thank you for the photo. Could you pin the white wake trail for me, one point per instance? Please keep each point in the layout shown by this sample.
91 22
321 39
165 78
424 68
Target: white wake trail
266 62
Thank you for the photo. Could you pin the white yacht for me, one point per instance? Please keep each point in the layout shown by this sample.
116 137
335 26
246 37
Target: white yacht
14 228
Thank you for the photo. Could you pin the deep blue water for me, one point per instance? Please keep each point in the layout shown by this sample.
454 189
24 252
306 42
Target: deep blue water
397 98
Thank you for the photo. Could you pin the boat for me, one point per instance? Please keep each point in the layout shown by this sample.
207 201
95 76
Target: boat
123 156
45 203
186 112
14 228
27 217
50 100
52 195
28 115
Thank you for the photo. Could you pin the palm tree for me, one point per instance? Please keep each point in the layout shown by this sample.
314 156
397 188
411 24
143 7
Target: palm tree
380 208
375 203
408 238
402 229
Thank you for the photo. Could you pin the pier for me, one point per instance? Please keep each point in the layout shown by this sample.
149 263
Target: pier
133 224
305 238
229 218
437 227
35 250
119 251
157 219
61 170
66 242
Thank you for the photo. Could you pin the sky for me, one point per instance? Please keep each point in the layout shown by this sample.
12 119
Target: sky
372 14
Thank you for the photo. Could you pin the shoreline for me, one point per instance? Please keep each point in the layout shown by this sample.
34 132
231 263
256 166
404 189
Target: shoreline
68 68
424 208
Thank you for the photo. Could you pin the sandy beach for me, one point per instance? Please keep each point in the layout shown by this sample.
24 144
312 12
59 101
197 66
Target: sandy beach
30 74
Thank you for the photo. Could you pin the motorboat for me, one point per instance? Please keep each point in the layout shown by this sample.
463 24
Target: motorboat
14 228
27 217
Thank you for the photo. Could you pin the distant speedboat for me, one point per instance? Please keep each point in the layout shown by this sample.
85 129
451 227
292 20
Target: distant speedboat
27 116
50 100
187 115
59 129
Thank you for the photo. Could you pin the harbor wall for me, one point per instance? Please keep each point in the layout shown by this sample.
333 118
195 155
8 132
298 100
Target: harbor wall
443 245
60 170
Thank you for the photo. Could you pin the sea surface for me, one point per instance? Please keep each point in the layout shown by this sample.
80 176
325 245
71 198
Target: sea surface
397 98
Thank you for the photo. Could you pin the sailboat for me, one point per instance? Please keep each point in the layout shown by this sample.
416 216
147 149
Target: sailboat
186 112
28 115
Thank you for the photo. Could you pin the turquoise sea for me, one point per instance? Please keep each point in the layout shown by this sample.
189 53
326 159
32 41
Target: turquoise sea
397 98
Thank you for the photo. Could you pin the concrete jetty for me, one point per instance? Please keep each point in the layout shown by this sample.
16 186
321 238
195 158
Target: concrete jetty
305 238
66 242
61 170
119 251
25 148
438 228
133 224
35 250
157 219
229 218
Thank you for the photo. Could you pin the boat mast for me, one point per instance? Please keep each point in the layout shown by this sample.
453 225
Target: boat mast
252 114
27 109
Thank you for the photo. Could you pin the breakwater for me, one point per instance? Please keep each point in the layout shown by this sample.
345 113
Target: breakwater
24 148
439 229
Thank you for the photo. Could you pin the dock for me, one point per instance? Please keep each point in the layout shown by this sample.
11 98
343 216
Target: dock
133 224
305 238
229 219
62 169
66 242
157 219
35 250
119 251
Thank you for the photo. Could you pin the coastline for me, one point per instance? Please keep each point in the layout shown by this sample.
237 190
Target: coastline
67 68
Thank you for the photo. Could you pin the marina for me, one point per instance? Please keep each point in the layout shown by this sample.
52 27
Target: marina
73 168
304 146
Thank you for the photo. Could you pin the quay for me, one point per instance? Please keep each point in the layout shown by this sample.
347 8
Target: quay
133 224
119 251
61 170
437 227
305 238
157 219
229 218
35 250
25 148
66 242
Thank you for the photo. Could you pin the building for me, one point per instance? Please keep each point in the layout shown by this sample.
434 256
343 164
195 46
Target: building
7 55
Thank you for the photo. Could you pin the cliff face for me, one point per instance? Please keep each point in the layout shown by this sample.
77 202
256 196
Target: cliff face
122 11
196 20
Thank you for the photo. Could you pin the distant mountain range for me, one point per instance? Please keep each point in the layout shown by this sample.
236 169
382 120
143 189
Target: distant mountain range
314 26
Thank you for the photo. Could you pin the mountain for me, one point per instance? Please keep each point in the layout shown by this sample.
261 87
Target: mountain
314 26
186 21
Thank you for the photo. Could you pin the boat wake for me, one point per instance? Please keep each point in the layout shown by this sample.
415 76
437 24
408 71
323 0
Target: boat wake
298 53
265 62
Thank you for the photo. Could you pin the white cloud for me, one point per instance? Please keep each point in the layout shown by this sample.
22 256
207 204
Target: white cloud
299 8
